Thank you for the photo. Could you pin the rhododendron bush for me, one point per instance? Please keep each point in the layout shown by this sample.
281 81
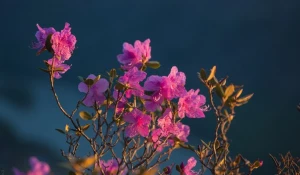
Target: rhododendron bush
143 113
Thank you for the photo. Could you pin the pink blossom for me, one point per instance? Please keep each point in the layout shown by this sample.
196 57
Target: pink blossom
163 88
138 123
191 105
95 92
63 68
131 79
153 84
167 128
135 55
122 101
111 167
173 86
41 35
63 43
37 168
187 169
181 131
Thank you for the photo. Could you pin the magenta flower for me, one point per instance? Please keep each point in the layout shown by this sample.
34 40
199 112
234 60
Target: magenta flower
138 123
41 35
187 169
182 131
191 105
122 101
61 68
37 168
153 84
135 56
63 43
111 167
95 92
164 88
173 86
167 128
131 79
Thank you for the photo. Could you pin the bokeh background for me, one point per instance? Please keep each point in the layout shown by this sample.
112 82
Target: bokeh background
255 42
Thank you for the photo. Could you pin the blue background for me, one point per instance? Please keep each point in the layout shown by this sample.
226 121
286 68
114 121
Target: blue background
255 42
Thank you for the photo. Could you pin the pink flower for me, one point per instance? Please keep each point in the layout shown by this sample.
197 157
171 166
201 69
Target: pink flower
187 169
63 43
164 88
182 131
63 68
173 86
191 105
167 128
131 79
122 101
41 35
135 55
153 84
95 93
37 168
139 123
111 167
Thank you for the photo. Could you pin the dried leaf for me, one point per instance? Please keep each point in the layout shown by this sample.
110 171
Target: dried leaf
245 98
212 73
229 90
85 115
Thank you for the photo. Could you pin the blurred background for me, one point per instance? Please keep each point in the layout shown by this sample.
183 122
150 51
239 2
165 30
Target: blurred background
255 42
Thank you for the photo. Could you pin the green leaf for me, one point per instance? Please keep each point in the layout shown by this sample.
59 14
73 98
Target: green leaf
113 73
148 92
44 70
212 73
72 173
85 115
81 78
153 64
203 75
61 131
48 43
119 86
89 82
219 90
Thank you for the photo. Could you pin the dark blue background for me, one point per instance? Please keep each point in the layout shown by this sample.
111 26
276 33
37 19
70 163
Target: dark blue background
255 42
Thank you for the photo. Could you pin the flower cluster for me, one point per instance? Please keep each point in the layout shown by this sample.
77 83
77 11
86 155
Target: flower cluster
37 168
147 108
60 44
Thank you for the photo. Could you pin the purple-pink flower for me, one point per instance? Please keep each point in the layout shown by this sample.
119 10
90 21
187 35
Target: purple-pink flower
63 43
167 128
59 67
41 36
165 87
95 92
37 168
153 101
131 79
122 101
138 123
135 56
111 167
187 169
192 105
